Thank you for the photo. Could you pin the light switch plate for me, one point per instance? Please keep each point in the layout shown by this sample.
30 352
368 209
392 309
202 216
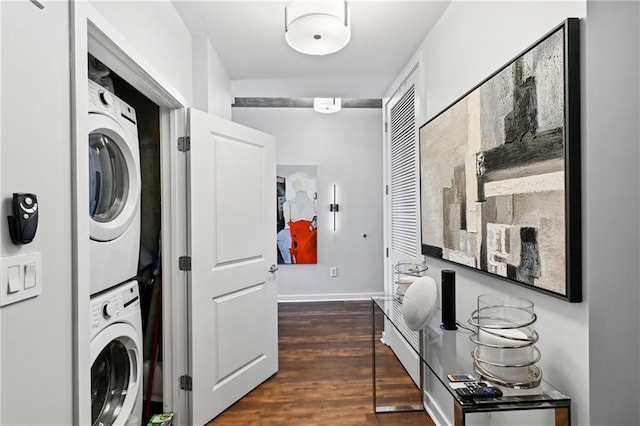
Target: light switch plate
30 275
14 279
23 262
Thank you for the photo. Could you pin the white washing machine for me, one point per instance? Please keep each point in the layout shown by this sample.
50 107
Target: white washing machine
114 190
116 357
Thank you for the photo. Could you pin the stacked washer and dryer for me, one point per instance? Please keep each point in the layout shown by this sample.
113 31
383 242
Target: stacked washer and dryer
114 208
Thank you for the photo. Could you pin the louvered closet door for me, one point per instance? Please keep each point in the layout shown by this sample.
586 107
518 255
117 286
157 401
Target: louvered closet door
404 178
402 202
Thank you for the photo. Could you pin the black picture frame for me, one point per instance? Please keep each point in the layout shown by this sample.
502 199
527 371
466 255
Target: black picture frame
500 169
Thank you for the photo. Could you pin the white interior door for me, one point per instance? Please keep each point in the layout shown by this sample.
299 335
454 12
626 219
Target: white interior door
234 334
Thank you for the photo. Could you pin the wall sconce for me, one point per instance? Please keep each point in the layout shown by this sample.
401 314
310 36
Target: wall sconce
334 207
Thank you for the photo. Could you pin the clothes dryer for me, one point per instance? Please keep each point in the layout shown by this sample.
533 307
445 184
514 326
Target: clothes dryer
116 357
114 190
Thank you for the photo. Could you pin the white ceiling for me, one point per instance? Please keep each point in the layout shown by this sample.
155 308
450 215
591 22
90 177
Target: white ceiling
249 39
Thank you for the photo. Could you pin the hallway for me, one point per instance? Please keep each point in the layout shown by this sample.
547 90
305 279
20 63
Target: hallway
325 373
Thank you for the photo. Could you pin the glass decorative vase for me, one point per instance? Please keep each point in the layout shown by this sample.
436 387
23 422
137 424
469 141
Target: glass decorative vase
505 338
404 275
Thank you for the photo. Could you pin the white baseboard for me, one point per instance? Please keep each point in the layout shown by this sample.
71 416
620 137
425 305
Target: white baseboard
286 298
434 411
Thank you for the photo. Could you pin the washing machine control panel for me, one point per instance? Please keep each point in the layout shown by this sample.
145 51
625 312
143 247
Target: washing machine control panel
109 309
112 306
106 98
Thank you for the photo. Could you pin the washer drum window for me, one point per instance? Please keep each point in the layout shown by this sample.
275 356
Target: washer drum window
110 374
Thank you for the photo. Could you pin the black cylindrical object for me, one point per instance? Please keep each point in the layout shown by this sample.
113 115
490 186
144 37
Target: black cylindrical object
448 300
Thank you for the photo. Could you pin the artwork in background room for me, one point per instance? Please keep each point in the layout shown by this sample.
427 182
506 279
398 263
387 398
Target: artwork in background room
297 215
500 171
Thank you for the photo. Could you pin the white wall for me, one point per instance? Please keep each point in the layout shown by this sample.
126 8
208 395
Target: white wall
36 335
612 214
35 150
346 147
470 42
211 83
158 33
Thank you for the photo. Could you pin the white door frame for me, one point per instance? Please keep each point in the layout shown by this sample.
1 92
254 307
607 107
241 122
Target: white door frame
91 32
413 71
2 229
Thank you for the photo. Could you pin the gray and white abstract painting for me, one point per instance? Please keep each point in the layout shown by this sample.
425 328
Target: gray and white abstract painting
493 173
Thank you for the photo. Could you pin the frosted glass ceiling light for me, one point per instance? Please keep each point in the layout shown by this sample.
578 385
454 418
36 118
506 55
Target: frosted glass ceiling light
327 105
317 27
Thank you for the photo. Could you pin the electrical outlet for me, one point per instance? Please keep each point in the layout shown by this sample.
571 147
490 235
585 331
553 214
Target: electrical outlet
333 271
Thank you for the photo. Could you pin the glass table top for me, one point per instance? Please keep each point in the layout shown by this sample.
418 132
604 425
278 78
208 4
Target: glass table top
446 352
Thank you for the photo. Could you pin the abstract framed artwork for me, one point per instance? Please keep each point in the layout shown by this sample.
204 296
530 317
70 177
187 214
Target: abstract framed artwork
500 171
297 217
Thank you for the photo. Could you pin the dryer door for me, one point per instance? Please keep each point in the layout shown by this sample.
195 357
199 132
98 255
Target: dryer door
114 179
115 375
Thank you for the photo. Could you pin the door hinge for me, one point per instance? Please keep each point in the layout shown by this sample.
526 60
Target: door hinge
386 127
186 383
387 250
386 190
184 143
184 263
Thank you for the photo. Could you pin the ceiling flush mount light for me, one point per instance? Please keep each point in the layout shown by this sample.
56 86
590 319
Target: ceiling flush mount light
327 105
317 27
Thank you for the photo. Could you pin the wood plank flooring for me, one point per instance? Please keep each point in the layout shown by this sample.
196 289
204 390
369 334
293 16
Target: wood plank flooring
324 375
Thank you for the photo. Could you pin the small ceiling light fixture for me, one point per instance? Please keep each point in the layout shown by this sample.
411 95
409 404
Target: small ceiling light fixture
317 27
327 105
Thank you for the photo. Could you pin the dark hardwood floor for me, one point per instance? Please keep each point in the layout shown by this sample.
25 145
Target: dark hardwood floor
324 375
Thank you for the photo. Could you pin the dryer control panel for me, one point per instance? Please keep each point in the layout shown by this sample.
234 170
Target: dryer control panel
103 101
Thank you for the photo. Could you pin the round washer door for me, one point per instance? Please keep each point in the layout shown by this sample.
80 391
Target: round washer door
114 179
115 375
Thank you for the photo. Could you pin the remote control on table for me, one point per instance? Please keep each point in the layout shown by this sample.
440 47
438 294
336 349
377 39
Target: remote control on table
478 390
462 377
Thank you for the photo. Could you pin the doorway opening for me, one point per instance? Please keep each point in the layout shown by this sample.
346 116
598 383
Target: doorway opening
149 269
163 238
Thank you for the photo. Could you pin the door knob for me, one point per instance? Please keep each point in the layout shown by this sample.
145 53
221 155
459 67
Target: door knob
273 268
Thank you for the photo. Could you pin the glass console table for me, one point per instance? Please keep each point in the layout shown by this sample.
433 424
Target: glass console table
445 352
